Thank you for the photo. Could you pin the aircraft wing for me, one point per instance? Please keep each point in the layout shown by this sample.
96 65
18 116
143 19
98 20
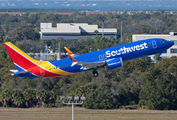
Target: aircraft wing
87 65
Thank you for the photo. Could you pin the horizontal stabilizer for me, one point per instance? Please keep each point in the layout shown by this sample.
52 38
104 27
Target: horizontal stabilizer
22 72
14 71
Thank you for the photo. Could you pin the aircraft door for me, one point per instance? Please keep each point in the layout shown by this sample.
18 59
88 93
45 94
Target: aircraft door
154 44
100 57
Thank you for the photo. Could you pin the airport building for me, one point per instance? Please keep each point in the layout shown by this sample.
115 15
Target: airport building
172 36
74 30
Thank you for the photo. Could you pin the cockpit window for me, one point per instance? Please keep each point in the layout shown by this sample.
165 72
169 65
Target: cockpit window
162 41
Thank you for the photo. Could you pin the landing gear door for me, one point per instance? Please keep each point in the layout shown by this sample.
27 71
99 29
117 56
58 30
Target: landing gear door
154 44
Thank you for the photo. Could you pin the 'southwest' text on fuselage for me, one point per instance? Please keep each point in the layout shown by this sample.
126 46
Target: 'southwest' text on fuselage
126 50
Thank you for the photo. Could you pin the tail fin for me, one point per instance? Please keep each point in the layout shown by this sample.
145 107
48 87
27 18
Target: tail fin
21 60
68 51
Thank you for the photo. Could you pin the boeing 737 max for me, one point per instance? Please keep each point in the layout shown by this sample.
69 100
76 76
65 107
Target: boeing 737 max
111 57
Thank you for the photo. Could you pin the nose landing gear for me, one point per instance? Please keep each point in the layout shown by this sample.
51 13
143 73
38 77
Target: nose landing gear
95 73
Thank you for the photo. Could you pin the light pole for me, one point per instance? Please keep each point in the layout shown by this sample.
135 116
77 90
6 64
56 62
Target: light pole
102 28
76 98
121 30
58 55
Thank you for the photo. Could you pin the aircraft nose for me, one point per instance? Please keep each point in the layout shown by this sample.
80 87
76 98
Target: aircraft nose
171 43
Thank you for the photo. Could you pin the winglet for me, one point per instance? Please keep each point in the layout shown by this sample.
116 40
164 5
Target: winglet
68 51
72 58
74 61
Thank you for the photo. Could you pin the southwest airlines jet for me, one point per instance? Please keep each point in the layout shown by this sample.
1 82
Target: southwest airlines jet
112 57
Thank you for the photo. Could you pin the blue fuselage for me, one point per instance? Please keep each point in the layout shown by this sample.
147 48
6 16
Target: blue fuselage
127 51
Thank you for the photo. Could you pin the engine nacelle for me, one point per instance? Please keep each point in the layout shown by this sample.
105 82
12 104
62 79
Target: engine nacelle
115 63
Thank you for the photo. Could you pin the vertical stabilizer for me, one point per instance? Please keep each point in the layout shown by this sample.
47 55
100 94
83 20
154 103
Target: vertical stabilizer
21 60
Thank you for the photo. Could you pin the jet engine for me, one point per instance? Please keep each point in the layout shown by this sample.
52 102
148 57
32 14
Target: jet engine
114 63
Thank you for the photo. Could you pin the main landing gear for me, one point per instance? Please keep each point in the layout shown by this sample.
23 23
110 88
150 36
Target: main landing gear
95 73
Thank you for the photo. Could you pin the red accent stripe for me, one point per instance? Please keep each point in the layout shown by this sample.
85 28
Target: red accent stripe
72 59
69 52
27 64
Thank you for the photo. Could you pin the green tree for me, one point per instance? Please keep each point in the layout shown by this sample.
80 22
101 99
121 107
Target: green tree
29 96
129 38
96 32
42 96
160 90
6 97
17 97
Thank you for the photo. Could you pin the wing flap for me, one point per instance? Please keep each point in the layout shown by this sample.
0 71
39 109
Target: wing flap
89 65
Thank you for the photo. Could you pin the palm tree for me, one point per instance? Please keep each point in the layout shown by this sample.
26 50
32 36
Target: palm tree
52 97
80 91
29 95
17 97
6 96
1 95
96 32
42 95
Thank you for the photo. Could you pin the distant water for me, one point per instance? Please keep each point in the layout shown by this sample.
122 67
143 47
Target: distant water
102 8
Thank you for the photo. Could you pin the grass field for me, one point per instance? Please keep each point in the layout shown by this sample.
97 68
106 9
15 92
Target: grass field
64 113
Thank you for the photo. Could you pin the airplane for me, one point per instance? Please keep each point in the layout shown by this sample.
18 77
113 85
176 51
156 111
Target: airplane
112 57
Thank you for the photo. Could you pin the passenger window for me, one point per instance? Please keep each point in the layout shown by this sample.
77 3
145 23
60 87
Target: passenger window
100 57
104 56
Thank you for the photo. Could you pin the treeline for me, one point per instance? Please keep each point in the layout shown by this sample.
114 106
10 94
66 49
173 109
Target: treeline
27 98
138 82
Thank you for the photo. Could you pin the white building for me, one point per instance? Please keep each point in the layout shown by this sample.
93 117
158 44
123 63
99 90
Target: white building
74 30
172 36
